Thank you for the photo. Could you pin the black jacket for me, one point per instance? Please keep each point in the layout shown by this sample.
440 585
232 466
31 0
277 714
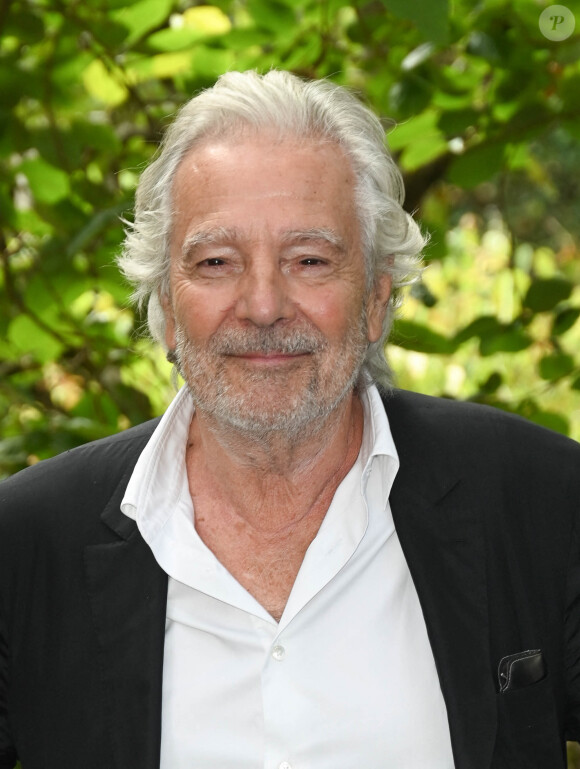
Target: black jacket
485 506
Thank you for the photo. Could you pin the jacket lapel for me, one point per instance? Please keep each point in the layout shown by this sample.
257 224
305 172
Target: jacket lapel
436 504
128 594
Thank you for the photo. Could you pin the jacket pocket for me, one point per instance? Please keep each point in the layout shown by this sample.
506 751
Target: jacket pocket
529 734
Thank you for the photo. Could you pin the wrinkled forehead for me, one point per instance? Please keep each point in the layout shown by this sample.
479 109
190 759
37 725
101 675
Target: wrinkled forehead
269 137
264 165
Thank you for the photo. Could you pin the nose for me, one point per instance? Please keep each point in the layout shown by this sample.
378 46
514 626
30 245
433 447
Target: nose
263 297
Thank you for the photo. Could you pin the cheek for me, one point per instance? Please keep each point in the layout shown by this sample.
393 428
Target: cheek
200 312
333 313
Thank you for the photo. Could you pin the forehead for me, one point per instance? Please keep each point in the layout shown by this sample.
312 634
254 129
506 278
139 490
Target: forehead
264 181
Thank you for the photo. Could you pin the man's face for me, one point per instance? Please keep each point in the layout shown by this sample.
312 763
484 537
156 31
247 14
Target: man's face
268 312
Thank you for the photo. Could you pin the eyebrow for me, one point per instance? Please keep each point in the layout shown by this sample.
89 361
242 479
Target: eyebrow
224 235
317 233
208 237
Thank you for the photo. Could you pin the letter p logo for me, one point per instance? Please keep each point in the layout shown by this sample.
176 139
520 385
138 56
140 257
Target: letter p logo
557 22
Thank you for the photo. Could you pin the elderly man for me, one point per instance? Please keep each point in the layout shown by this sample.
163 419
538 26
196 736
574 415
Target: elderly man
293 569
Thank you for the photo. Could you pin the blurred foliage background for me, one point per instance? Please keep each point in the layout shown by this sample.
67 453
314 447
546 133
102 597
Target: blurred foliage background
483 113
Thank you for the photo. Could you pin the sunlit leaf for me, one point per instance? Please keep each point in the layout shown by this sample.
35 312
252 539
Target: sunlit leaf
104 86
420 140
207 20
169 40
164 65
28 337
143 16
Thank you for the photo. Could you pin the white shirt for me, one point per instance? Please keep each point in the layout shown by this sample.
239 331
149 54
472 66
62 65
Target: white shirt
345 680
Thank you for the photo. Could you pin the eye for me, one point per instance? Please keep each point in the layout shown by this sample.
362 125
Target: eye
213 262
311 261
212 267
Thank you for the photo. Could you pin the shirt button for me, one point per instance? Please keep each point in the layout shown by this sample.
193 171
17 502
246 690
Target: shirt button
284 765
279 652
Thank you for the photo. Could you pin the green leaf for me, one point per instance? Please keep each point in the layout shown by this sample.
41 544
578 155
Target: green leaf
169 40
508 339
420 140
410 96
48 184
414 336
430 16
552 421
454 122
141 17
28 337
422 292
476 165
544 294
208 20
564 320
481 44
422 152
271 15
414 129
95 225
105 86
210 62
483 327
199 23
556 366
164 65
491 384
24 25
96 136
530 410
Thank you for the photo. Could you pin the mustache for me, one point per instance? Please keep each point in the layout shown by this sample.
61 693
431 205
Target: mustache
236 341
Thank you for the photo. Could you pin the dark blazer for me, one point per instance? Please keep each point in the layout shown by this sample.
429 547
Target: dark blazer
485 505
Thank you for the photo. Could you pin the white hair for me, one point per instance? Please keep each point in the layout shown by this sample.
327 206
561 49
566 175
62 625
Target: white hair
294 108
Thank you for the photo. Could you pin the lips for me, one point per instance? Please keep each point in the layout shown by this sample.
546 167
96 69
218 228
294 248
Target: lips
269 355
269 359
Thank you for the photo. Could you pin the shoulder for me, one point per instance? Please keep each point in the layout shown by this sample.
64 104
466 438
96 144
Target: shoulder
469 432
463 419
81 477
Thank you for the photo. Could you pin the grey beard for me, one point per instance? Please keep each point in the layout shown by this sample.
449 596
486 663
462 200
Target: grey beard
204 371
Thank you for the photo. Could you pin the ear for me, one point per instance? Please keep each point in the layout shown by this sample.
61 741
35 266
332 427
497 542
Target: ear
377 303
165 302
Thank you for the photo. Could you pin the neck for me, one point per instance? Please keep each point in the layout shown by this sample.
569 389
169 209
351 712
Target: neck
273 482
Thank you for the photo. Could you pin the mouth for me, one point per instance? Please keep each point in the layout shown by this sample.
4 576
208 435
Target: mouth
270 358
